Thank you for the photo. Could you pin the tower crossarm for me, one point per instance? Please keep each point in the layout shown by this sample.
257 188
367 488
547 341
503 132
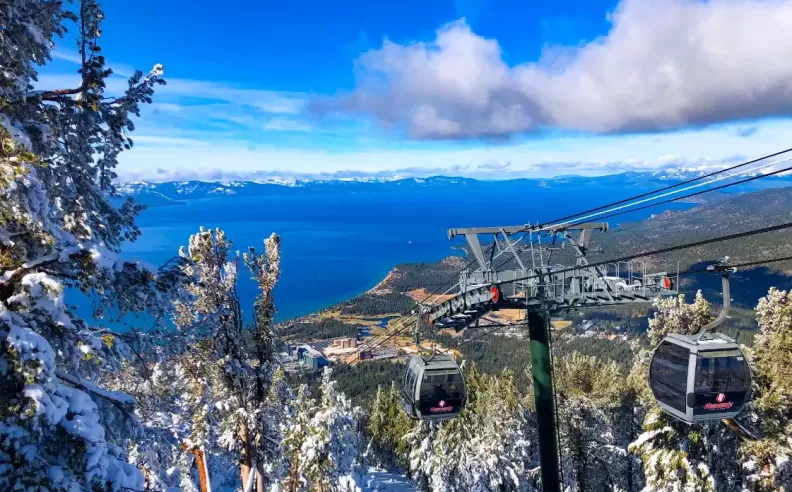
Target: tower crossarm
540 285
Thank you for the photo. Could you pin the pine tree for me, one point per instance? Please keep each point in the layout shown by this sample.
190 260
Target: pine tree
588 392
329 451
278 410
387 425
228 370
629 416
60 428
767 460
294 437
500 448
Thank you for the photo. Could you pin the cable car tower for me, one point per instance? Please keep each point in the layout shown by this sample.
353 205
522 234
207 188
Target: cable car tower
525 276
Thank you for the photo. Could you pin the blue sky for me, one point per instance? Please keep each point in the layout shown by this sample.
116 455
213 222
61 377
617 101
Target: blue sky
484 88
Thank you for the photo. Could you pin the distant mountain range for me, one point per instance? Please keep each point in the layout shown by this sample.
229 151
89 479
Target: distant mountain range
176 192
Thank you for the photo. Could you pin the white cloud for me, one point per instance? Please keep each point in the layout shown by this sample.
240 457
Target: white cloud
495 165
74 57
69 56
286 125
162 141
265 100
665 64
482 171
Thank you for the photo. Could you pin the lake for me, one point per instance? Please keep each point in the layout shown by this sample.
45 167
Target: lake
337 246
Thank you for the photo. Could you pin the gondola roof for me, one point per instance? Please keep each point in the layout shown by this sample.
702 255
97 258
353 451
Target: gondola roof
438 361
708 341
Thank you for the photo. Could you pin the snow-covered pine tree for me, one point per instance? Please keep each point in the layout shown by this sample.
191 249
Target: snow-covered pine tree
499 450
60 428
268 399
277 413
588 391
767 464
295 436
378 452
329 452
228 370
677 456
157 451
629 416
387 425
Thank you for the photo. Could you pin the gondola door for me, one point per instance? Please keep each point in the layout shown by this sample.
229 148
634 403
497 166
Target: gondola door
721 385
408 393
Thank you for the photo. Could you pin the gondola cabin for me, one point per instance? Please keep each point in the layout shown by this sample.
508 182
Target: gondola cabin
433 388
702 379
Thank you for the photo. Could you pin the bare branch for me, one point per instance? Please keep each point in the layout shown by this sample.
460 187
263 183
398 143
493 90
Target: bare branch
59 94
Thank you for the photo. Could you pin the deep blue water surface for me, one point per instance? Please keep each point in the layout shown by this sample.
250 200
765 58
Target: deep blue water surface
337 246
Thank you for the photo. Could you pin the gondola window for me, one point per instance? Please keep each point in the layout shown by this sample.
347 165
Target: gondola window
669 374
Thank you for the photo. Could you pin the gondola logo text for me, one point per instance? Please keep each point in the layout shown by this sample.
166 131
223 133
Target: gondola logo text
721 405
441 407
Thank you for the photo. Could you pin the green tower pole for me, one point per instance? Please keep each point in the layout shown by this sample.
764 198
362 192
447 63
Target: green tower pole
538 328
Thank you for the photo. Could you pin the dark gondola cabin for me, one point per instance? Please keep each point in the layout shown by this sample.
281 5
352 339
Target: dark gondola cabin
702 379
433 388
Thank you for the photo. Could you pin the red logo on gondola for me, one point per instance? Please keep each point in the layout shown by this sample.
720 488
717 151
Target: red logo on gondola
721 404
495 294
441 409
667 283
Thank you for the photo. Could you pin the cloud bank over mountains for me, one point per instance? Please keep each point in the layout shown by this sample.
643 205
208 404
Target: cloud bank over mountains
488 170
664 65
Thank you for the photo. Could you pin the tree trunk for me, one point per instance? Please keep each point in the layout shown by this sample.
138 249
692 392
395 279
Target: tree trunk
260 476
146 478
294 473
200 462
631 458
245 462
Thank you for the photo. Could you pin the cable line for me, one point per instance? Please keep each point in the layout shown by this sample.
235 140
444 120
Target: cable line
727 185
740 173
740 265
763 230
701 192
676 185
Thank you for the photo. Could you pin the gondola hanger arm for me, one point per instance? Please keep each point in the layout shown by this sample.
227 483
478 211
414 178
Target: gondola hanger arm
417 339
724 270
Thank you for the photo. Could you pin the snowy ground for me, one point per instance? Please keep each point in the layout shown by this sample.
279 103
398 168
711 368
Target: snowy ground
386 481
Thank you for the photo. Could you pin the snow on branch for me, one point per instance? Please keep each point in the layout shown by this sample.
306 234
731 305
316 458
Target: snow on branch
121 399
